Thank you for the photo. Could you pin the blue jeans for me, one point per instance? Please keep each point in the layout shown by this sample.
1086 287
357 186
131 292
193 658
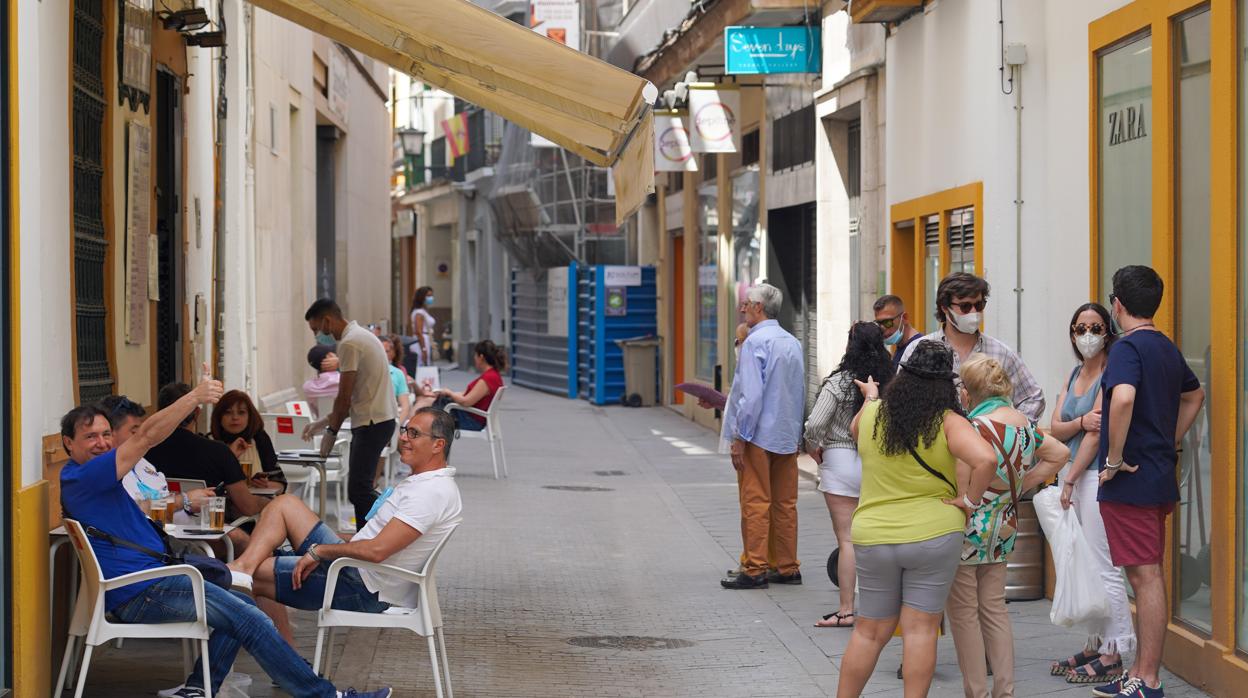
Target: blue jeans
465 421
349 595
235 623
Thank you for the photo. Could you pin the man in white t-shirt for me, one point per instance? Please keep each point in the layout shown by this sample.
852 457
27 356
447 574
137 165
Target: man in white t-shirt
365 394
406 525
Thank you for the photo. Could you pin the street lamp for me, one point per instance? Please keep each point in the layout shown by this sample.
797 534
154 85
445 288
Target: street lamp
412 141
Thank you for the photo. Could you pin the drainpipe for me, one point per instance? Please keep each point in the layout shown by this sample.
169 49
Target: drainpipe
1018 207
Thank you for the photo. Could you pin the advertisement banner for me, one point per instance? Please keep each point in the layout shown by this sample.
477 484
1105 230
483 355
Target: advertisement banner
557 20
771 50
713 111
672 150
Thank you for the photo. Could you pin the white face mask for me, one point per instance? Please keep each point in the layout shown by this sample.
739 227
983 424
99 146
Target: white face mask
966 324
1089 344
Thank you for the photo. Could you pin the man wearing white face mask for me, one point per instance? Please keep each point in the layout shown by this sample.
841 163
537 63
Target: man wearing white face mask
960 302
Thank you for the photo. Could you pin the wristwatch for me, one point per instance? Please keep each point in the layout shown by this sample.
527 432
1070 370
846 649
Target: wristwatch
332 430
186 505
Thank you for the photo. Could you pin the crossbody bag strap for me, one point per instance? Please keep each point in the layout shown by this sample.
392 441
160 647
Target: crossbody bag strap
932 470
165 558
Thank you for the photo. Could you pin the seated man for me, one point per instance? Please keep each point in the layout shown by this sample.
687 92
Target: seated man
403 529
92 493
187 455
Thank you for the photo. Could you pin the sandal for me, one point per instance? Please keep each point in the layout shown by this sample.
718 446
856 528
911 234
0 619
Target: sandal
1094 672
840 621
1067 665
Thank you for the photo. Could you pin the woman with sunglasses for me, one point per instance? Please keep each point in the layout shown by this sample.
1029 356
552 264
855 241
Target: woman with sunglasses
1077 421
828 441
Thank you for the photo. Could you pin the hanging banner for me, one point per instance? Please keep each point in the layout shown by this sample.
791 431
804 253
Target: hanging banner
557 20
771 50
713 111
456 130
672 150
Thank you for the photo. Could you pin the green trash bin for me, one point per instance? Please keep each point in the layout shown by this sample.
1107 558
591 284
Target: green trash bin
640 377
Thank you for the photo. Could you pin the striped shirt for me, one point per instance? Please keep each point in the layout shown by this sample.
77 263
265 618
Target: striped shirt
829 420
1028 395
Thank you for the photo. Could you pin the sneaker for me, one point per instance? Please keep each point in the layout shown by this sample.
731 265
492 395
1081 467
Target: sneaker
1136 688
745 581
775 577
1111 689
352 693
170 692
189 692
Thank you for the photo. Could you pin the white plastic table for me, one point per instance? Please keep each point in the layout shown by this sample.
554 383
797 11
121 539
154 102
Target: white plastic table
310 459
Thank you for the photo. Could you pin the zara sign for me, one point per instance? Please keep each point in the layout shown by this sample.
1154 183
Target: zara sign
769 50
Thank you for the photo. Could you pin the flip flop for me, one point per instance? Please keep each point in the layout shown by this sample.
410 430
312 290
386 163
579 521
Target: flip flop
1094 672
1066 665
240 581
840 621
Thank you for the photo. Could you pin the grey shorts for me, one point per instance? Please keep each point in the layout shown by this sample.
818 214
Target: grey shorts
917 575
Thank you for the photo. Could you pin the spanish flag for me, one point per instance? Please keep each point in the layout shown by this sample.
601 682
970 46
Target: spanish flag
456 130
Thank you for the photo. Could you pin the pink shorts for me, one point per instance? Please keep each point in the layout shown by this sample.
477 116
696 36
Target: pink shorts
1136 534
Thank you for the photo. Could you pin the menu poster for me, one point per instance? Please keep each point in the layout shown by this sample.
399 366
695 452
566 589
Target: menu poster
138 230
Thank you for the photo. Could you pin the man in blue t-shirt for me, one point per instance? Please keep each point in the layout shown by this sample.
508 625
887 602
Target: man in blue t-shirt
1151 398
92 493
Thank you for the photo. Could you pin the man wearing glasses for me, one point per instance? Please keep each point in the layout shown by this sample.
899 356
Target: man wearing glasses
891 316
960 302
406 523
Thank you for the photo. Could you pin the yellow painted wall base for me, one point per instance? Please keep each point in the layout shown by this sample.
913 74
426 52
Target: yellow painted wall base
31 659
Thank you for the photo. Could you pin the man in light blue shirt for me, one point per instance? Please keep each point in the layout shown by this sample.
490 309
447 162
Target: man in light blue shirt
765 420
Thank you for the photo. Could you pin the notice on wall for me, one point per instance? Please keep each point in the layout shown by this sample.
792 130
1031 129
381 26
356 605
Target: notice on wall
557 302
617 301
621 276
713 111
672 150
138 229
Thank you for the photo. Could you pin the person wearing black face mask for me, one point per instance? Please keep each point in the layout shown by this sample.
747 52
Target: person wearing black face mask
960 302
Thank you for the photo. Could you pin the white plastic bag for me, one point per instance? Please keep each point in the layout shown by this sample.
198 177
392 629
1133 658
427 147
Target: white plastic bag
1079 599
235 685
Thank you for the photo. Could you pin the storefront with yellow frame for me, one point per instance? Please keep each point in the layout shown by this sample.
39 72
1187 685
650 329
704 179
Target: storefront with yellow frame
1167 79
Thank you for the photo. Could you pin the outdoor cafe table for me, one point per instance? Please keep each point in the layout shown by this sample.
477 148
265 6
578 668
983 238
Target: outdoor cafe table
59 536
309 459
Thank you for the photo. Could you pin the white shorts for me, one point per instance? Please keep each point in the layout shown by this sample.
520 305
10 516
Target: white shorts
841 472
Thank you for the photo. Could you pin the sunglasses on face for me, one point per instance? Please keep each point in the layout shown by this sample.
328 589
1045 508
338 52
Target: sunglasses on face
967 306
887 323
124 405
1095 328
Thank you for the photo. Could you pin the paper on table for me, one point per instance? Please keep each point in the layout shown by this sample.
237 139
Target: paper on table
702 392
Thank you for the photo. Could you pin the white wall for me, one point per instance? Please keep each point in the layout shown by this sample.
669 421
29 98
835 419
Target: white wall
44 156
949 124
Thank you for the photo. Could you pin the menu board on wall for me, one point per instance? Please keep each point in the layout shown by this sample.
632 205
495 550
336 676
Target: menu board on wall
138 229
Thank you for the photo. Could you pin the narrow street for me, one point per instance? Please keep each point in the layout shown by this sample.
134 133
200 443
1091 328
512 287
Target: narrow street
615 523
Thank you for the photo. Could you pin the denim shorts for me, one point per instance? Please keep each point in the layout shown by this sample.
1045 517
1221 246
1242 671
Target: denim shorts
349 595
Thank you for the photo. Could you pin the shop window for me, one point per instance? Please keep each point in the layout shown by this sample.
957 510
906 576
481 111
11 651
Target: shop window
708 281
1125 175
1194 520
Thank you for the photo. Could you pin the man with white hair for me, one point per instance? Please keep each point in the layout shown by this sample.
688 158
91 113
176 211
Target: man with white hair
765 421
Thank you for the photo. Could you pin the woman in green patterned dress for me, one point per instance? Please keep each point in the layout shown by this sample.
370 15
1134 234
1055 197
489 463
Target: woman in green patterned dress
1025 458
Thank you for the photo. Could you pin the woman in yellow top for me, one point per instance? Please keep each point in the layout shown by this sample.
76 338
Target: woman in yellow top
907 531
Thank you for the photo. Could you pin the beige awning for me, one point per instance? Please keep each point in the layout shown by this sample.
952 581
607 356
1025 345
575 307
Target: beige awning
585 105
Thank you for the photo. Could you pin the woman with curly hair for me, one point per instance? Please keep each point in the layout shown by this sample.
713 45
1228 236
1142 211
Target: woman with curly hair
907 531
828 441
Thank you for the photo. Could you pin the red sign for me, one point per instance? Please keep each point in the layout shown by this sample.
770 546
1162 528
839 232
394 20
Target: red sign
285 425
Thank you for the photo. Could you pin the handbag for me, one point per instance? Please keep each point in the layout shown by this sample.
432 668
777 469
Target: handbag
213 570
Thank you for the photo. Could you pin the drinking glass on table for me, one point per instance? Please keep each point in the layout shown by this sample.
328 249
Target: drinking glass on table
213 513
159 510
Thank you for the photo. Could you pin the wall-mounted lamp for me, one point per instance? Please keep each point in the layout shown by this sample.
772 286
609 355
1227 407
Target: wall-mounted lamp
185 21
212 39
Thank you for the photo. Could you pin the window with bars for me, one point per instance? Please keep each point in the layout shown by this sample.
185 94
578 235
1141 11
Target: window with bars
793 139
90 241
961 240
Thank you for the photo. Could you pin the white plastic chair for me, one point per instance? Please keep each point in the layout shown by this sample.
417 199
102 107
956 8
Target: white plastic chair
424 620
492 433
91 625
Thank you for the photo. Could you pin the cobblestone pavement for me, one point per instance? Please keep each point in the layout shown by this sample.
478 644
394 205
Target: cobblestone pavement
640 553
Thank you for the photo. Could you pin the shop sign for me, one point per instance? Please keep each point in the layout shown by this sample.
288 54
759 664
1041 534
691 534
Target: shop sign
713 111
1126 125
672 150
771 50
557 302
617 301
621 276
